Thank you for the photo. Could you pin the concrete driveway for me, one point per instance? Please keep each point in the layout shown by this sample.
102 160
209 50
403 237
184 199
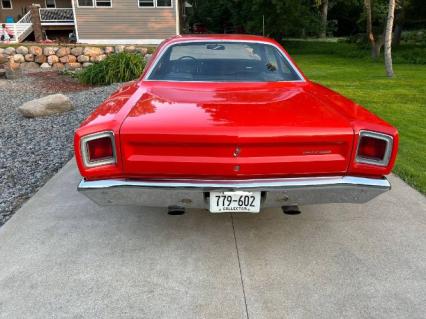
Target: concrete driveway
62 256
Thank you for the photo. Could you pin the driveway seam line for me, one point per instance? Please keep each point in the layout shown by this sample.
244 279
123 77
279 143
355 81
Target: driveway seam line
239 265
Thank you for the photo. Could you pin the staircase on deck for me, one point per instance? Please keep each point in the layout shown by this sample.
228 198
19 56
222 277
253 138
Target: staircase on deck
22 28
48 17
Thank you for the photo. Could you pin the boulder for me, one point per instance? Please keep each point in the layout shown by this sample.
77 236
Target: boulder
73 66
49 50
58 66
12 74
77 51
48 105
9 51
83 58
93 51
35 50
72 59
30 66
40 59
12 65
142 51
130 49
52 59
3 58
29 57
18 58
1 50
109 50
22 50
45 66
87 64
119 48
64 51
64 59
98 58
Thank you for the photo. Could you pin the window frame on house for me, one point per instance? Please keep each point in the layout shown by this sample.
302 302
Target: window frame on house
95 4
11 5
154 4
103 1
47 6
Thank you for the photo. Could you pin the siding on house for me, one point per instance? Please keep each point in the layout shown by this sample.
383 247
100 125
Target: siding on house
125 21
20 7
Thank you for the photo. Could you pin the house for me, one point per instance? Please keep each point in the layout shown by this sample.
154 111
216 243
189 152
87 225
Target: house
95 21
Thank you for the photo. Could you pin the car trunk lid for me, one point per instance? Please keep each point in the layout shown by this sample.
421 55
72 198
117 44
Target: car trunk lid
233 131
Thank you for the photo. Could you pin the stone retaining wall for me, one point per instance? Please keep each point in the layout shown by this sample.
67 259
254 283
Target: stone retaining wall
60 57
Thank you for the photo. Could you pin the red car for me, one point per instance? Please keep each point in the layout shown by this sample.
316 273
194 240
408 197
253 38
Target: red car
230 123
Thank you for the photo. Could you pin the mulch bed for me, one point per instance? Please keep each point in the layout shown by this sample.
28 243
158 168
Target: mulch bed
51 82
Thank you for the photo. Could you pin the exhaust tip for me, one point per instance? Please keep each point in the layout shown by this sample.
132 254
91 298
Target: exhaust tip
176 210
291 210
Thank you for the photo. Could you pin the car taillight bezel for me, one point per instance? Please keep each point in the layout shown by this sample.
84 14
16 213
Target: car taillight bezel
388 151
85 150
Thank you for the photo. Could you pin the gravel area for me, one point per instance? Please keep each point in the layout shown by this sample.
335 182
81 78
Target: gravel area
33 150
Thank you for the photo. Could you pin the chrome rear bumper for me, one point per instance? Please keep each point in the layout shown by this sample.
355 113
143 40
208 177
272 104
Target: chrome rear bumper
195 193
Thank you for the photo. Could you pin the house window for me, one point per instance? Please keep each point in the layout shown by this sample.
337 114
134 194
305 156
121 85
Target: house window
103 3
50 3
95 3
146 3
85 3
164 3
6 4
155 3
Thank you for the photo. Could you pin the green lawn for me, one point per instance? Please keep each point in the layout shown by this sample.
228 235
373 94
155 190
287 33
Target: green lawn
400 101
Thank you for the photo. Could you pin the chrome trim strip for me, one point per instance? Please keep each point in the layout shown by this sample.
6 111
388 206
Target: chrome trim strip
389 146
164 49
85 152
195 193
252 184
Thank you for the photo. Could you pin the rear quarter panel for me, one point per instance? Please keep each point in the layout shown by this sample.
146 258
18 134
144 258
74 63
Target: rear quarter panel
360 119
108 116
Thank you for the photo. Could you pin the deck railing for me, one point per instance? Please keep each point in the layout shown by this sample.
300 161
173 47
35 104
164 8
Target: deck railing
48 16
22 28
26 18
56 16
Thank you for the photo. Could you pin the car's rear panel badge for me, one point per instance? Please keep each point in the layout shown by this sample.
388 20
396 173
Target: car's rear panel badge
237 151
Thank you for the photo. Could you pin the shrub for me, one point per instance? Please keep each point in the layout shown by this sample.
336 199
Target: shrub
341 49
119 67
409 55
402 54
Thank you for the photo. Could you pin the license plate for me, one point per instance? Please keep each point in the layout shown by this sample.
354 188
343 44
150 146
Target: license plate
222 202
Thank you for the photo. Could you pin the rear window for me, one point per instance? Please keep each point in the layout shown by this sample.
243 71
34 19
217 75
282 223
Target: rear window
223 62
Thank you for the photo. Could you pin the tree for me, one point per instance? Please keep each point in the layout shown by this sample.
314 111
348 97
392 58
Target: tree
369 21
283 18
375 45
399 21
324 18
388 39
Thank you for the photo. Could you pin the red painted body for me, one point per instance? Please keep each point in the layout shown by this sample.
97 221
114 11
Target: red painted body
192 129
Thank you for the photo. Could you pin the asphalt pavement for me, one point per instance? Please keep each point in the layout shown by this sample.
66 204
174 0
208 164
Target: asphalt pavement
62 256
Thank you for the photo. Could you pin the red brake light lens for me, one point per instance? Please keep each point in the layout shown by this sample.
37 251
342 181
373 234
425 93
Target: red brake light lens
100 149
372 148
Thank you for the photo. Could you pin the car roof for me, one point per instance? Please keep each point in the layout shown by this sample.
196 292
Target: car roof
219 37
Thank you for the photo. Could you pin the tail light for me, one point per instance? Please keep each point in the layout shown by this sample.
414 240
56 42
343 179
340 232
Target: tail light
98 149
374 148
